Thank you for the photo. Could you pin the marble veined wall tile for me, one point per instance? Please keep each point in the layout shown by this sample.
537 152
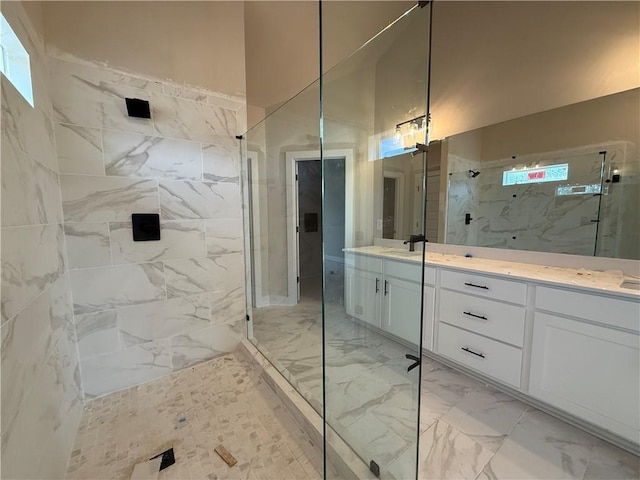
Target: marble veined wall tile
228 272
48 416
28 130
27 342
221 163
88 244
199 200
106 199
229 307
82 97
224 236
132 155
178 239
163 319
200 122
200 345
63 365
32 260
79 149
131 366
185 91
97 289
97 333
226 101
188 276
124 79
30 191
208 274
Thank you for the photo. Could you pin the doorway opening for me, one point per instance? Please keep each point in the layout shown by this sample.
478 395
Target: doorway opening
319 232
309 215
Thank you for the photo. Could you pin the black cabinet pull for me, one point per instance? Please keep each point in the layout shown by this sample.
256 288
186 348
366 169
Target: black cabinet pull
476 286
386 287
466 349
475 316
377 284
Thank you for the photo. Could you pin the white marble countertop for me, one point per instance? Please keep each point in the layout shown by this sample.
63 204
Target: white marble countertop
604 282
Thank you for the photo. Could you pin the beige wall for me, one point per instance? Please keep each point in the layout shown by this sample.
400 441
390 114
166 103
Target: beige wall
612 118
198 43
282 43
494 61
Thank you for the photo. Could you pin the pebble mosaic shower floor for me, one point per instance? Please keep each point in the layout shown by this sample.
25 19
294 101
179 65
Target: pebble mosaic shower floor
222 401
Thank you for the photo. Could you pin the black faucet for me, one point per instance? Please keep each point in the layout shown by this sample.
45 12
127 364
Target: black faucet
413 239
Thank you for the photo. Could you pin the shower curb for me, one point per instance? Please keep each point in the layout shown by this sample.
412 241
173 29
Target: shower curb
345 462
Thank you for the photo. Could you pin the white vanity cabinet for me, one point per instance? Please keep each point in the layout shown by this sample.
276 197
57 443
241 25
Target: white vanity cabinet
387 294
588 366
574 349
400 308
363 284
482 323
362 295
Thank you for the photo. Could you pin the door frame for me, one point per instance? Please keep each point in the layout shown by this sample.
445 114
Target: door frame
291 159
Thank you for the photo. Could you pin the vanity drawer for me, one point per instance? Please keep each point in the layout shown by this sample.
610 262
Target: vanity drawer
494 319
405 271
363 262
598 308
490 287
489 357
429 275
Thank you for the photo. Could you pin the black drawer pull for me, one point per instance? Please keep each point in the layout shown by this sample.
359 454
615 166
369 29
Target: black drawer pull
386 287
476 286
377 284
472 352
475 316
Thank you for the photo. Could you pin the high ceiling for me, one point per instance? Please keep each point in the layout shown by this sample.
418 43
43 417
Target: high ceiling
491 61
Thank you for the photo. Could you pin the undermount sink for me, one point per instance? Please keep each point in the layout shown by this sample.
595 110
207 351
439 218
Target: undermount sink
631 284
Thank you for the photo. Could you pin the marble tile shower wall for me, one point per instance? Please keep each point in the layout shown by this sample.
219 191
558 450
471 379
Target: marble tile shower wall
528 217
145 309
41 394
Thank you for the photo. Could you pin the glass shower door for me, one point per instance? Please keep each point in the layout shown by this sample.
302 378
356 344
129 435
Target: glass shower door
374 111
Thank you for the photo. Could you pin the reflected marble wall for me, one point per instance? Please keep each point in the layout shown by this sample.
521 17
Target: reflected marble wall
41 393
533 216
145 309
463 197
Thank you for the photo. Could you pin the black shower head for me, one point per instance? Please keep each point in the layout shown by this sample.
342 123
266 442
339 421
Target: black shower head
474 173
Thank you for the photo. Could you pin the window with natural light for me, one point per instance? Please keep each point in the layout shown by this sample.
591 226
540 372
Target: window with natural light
15 61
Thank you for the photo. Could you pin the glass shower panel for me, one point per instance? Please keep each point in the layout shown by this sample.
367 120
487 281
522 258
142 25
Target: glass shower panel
283 218
374 112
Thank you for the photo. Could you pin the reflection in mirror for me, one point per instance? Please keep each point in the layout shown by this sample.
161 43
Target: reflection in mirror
402 183
561 181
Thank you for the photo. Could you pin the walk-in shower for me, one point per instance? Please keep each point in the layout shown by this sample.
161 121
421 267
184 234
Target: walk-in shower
349 344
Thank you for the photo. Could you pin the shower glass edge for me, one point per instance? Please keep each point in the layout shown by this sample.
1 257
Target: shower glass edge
372 318
285 316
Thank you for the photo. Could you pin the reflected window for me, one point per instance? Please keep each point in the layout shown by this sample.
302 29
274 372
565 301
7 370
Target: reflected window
552 173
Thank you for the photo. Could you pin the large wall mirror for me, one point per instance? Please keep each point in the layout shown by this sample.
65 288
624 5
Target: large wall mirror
535 132
563 181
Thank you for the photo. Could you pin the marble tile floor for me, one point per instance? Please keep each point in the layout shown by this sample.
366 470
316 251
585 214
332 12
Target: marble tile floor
467 429
223 401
